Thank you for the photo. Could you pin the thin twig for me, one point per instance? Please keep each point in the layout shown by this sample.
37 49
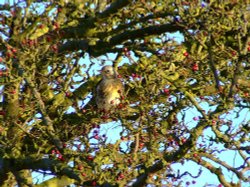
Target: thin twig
214 70
136 145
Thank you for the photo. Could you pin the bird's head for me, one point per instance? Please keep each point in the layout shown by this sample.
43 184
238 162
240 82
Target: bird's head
108 72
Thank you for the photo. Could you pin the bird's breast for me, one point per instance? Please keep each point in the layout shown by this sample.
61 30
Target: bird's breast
111 86
110 91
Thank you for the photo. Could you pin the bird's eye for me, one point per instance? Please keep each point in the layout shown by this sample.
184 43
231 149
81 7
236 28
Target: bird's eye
107 71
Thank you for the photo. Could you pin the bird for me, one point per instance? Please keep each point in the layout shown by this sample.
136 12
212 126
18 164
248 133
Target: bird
109 90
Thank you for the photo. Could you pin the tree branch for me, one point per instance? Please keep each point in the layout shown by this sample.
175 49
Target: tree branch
103 47
215 170
44 164
213 68
58 182
113 8
224 164
46 118
141 179
82 30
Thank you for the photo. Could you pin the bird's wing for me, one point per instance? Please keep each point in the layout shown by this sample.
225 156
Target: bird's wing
100 88
108 86
108 90
119 86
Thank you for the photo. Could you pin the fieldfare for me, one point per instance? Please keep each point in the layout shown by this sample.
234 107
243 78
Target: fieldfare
109 90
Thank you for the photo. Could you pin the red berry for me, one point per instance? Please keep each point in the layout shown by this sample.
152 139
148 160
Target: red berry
12 92
183 140
48 38
120 176
129 161
56 25
195 67
185 54
59 10
141 145
120 106
233 53
31 43
80 167
195 154
1 59
41 26
2 113
195 118
166 91
9 54
127 53
54 48
83 174
79 147
94 183
134 75
14 50
90 158
105 117
248 48
67 94
213 122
